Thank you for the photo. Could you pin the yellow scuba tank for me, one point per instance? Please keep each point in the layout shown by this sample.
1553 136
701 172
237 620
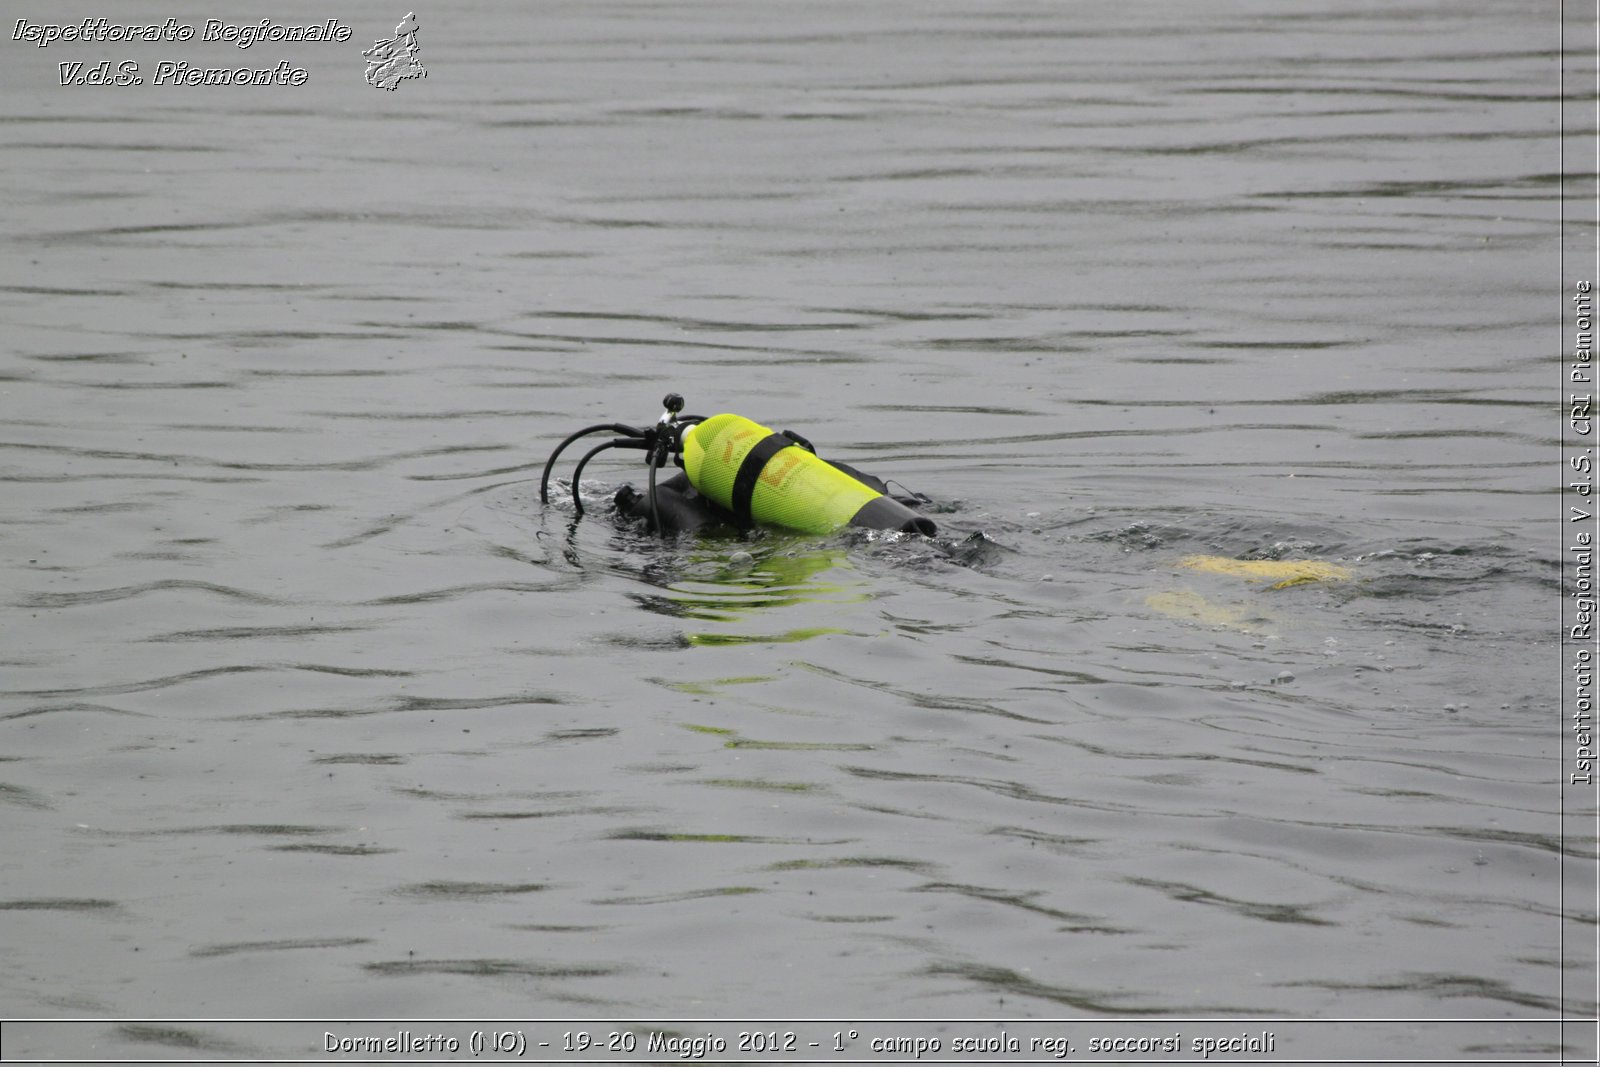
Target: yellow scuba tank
761 476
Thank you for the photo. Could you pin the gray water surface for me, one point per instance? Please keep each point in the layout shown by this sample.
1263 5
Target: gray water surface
311 709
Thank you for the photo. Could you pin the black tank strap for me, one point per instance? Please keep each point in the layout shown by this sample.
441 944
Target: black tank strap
744 482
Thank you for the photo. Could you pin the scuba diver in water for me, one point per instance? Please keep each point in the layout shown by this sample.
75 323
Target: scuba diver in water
738 473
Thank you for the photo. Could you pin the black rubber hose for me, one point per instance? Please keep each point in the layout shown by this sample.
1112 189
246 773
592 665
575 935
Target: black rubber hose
612 427
655 512
577 472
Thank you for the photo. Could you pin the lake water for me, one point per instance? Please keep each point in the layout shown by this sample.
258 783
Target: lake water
310 709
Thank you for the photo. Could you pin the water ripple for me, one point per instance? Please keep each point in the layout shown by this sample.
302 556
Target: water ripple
104 596
489 968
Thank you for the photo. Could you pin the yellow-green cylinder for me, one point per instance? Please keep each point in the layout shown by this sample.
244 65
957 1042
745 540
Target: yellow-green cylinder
794 488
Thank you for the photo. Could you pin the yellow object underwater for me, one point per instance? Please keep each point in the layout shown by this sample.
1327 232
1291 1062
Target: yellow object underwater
1282 573
1190 606
1248 616
765 477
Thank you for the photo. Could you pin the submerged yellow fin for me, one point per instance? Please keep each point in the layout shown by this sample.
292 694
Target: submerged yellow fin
1282 573
1190 606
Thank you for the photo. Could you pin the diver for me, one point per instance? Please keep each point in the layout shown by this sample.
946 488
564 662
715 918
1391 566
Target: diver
738 473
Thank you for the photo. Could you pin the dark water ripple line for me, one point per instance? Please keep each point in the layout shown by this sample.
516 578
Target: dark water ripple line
1014 791
921 867
99 709
1552 843
1058 843
411 704
370 464
248 287
68 119
1303 468
458 592
1207 757
970 313
474 414
540 795
492 472
1012 984
208 672
103 453
105 508
1387 88
1253 144
517 816
940 448
49 290
236 633
139 359
951 409
101 233
1070 677
116 146
1431 898
764 785
23 797
86 904
231 829
1075 922
797 746
301 373
930 701
685 838
1531 186
766 351
490 968
265 339
1299 914
1262 729
67 479
234 948
469 890
679 322
1424 397
1448 986
362 759
462 219
589 733
678 898
335 850
448 796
